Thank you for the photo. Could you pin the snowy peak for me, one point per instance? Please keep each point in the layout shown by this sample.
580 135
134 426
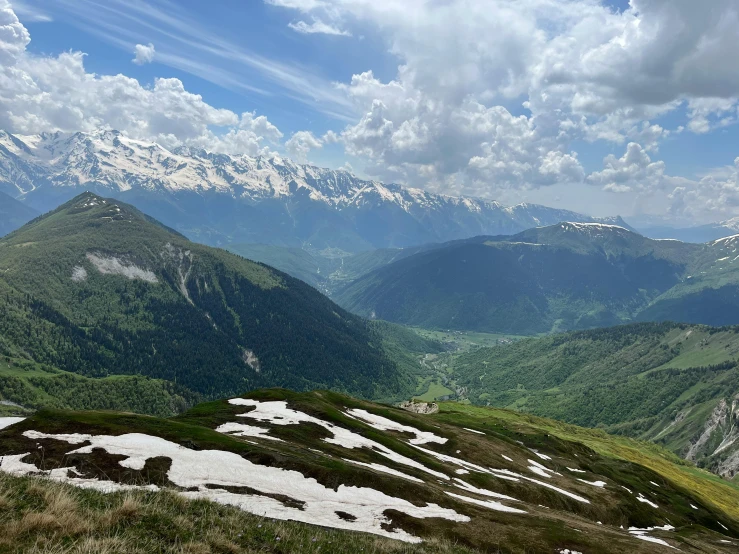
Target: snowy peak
208 195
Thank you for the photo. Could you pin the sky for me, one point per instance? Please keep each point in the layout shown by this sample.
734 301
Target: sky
604 107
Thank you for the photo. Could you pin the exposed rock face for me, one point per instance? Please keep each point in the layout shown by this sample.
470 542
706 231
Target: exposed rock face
420 407
717 446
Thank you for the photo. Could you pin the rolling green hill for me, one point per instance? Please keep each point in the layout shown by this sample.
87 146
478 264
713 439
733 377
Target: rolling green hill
564 277
342 471
677 385
97 289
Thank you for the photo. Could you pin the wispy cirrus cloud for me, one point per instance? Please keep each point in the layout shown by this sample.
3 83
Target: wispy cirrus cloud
318 26
190 45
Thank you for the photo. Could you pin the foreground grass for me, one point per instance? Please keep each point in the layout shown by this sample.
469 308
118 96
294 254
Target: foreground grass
38 516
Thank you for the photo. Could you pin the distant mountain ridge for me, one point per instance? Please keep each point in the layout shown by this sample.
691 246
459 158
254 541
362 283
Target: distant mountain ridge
562 277
219 199
13 214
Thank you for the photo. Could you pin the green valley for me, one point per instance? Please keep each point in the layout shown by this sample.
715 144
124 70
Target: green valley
674 384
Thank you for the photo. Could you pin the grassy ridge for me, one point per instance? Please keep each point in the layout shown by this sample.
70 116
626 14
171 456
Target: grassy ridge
37 516
502 439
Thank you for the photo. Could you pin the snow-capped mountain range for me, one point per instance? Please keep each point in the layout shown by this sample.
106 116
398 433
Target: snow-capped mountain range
217 198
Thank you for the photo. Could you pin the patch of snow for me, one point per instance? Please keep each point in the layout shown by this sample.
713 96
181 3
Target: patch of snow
206 469
600 484
110 265
627 490
384 424
542 456
694 506
654 540
8 421
539 469
573 470
384 469
641 498
243 430
653 483
490 504
461 471
473 431
722 525
483 492
277 413
79 274
507 458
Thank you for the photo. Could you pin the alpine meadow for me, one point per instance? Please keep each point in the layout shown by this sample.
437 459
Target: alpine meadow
352 276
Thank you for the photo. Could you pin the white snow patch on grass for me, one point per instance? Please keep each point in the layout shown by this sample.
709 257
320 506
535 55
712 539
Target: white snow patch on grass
694 506
722 525
384 469
573 470
277 413
110 265
204 469
384 424
655 484
461 471
8 421
507 458
473 431
483 492
542 456
600 484
490 504
642 498
243 430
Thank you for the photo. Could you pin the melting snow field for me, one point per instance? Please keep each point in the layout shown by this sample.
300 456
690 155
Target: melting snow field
8 421
206 470
277 413
384 424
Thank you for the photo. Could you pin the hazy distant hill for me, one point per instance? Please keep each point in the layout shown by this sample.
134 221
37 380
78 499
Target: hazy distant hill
566 276
13 214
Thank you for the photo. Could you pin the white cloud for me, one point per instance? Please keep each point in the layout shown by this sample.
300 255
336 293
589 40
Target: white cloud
45 93
143 54
318 27
712 198
300 144
634 171
30 13
582 71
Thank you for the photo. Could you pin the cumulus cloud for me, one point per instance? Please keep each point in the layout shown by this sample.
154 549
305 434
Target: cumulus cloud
634 171
46 93
713 197
300 144
143 54
581 71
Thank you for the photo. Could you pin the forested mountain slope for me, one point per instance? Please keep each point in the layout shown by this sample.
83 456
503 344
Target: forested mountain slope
98 289
677 385
562 277
462 480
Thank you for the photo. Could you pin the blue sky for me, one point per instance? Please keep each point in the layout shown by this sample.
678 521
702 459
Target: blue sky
535 100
